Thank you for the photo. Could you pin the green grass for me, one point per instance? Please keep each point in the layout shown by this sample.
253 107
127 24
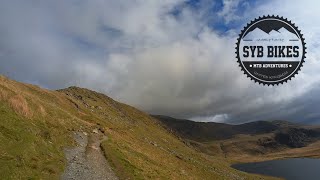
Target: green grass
31 146
122 167
25 149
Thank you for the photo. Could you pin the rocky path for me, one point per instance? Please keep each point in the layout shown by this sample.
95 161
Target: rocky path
86 160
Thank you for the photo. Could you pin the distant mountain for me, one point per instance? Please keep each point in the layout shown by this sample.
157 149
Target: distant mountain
285 133
208 131
254 141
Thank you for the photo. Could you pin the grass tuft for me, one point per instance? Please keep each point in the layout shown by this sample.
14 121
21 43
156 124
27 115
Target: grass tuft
3 94
42 110
20 106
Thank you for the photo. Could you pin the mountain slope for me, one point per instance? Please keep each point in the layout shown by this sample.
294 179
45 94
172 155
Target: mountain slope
36 125
208 131
254 140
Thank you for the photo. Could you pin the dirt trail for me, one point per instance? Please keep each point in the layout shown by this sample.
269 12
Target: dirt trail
86 161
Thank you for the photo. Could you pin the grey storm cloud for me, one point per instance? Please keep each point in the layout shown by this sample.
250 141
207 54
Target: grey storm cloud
142 54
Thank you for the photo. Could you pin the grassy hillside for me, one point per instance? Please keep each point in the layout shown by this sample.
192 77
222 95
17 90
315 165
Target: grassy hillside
36 125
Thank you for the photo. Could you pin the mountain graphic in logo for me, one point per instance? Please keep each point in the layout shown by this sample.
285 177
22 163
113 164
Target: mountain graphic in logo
281 33
270 26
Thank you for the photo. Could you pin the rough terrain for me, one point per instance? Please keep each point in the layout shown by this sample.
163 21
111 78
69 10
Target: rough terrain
86 161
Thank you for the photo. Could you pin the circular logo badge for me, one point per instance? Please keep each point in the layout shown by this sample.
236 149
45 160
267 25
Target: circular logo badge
270 50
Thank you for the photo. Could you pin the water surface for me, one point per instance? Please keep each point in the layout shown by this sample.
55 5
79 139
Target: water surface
291 169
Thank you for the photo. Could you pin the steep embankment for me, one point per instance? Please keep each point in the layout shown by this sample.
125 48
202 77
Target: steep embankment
37 125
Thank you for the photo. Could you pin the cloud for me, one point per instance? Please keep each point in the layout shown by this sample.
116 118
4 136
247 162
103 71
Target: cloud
143 54
215 118
229 10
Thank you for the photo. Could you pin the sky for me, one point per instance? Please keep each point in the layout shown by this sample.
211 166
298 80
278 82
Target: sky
170 57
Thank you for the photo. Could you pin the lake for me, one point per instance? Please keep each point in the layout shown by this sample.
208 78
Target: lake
291 169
